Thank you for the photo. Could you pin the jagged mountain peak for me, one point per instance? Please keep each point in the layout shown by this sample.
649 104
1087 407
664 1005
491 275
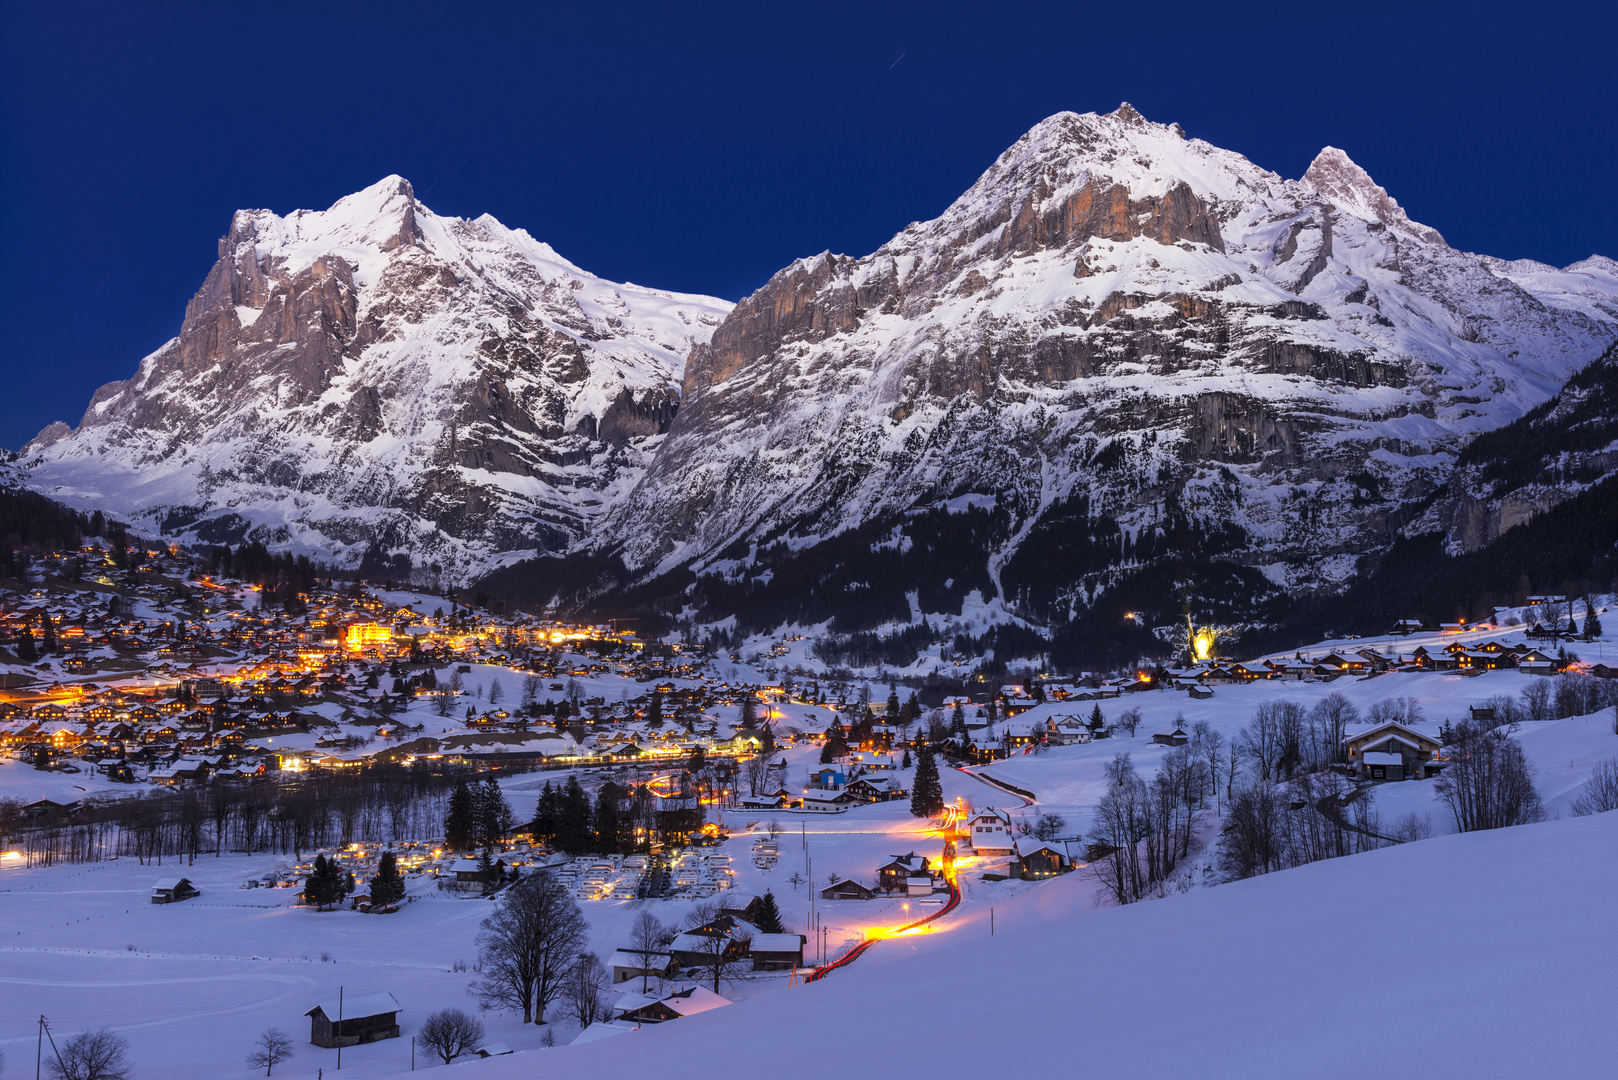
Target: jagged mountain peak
1119 318
1335 177
376 372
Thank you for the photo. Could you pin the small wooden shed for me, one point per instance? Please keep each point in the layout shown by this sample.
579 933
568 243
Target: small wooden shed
354 1020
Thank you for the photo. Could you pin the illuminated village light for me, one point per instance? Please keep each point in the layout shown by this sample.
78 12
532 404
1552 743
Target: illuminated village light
1201 641
362 636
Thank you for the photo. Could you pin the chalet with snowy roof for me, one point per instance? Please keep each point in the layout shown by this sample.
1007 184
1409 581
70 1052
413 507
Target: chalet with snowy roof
642 1010
1066 731
471 876
173 890
695 949
1392 751
626 965
989 833
1036 860
777 952
897 871
349 1021
829 802
846 889
1174 737
1535 662
872 789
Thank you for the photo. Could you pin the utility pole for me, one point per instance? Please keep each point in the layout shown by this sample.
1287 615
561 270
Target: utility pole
338 1039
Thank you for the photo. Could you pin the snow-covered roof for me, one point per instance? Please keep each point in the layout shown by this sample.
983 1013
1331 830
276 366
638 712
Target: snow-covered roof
602 1030
777 943
626 959
699 999
354 1008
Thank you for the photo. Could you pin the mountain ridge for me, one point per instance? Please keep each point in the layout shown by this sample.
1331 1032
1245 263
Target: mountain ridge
1121 349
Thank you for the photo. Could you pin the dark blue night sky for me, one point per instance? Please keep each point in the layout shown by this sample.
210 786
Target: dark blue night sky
701 147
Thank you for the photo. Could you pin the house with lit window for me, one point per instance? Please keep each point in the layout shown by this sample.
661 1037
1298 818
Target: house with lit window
989 833
1392 751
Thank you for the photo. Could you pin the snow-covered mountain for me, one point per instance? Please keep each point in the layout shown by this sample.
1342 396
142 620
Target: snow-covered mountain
1121 349
1123 339
373 371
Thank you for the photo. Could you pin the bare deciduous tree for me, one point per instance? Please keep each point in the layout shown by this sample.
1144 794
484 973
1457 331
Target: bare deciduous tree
1129 720
583 989
757 771
1049 826
1271 739
450 1033
1600 792
1207 744
272 1048
1489 783
100 1054
1399 710
528 946
1328 723
648 938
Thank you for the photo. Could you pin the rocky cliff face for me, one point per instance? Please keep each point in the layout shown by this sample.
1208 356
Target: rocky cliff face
376 372
1120 318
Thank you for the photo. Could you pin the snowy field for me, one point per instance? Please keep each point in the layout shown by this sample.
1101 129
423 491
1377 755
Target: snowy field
1481 955
1477 955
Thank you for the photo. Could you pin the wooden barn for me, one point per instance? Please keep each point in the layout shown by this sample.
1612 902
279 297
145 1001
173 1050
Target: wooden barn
355 1020
173 890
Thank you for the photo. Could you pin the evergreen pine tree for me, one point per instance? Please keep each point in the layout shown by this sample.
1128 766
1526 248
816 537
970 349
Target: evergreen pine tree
836 744
905 764
495 820
388 886
1592 624
460 823
607 826
1096 721
749 718
1572 627
927 794
544 826
48 641
26 652
957 718
327 884
769 915
893 700
573 819
654 710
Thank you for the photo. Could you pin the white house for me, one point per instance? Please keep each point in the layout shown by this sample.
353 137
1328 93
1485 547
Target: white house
989 833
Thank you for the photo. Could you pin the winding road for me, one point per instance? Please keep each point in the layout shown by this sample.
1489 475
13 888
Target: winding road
951 818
